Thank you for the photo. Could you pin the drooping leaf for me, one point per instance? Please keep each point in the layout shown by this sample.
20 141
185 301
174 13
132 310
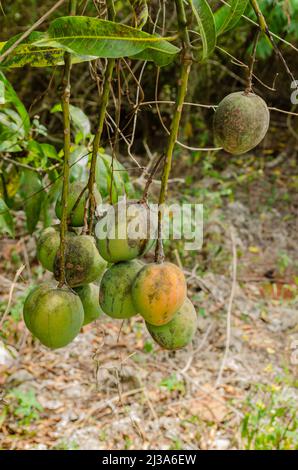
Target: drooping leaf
121 183
227 16
31 192
6 220
9 185
39 154
11 98
205 19
29 53
160 58
141 12
100 38
79 164
80 121
10 133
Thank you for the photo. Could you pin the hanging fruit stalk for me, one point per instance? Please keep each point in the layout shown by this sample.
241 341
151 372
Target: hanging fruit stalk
65 96
91 203
186 62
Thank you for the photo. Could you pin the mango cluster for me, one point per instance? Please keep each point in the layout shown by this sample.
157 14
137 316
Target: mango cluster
157 292
56 315
106 275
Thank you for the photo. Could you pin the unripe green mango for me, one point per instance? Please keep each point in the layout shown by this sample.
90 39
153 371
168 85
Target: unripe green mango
115 289
179 332
89 295
83 263
117 244
241 121
76 217
55 316
48 246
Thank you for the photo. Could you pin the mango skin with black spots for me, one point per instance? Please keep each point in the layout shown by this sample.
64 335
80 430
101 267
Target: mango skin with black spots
158 291
115 290
241 122
117 246
54 316
76 217
48 245
179 332
83 263
89 295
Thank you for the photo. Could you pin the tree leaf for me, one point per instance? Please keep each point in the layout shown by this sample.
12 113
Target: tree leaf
39 154
79 164
206 23
6 220
141 12
30 190
121 183
79 118
11 98
28 53
227 17
100 38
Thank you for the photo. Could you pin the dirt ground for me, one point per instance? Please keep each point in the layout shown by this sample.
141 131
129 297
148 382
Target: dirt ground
112 388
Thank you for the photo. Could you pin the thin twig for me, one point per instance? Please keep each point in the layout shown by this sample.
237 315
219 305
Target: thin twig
251 65
265 29
150 178
186 62
17 275
21 165
65 98
230 305
101 119
256 24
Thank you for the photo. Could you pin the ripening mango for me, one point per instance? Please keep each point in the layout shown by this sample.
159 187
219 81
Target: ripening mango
158 291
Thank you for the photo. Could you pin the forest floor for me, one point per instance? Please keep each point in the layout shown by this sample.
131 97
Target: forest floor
113 389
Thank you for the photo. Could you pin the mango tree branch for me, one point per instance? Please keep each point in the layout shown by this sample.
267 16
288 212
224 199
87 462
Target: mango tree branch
101 119
265 29
186 62
65 97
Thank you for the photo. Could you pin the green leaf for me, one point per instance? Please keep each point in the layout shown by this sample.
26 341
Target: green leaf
28 53
79 164
31 191
141 12
228 16
100 38
150 54
6 220
121 183
206 23
2 93
10 134
79 118
11 98
39 154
